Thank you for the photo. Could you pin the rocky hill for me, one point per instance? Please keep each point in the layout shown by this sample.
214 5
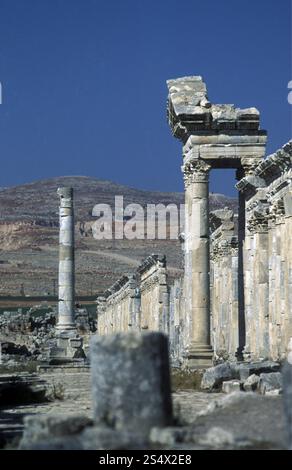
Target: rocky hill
29 235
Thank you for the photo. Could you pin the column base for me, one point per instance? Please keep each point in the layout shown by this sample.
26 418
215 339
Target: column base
68 345
199 355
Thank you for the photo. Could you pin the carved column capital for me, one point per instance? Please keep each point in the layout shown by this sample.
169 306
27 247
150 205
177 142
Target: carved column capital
257 224
249 164
66 197
257 217
277 212
196 171
224 247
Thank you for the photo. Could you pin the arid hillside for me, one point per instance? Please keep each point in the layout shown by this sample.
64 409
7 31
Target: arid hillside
29 235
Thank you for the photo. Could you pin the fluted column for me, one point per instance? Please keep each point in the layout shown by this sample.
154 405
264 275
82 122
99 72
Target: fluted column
66 307
197 174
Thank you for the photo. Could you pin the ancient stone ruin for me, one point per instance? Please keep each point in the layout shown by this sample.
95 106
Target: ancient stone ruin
234 300
224 326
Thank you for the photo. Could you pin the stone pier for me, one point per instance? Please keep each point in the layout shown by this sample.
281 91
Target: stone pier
66 306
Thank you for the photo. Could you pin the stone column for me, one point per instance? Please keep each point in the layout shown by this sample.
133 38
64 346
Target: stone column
199 350
257 230
186 317
241 267
66 309
245 256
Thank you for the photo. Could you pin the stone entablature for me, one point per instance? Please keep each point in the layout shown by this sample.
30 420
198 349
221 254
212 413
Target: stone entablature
268 191
152 270
121 288
139 301
119 308
268 171
190 111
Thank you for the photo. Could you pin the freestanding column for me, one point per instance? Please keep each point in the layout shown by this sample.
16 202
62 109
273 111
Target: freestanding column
199 351
66 320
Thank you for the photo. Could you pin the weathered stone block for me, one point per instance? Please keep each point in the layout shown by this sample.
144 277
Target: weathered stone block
47 427
269 382
167 436
251 383
245 370
131 381
91 438
230 386
214 376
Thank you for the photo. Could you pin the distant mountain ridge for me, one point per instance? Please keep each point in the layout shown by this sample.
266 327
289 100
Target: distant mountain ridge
38 200
29 235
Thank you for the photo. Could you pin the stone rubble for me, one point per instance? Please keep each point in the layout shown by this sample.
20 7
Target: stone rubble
251 383
48 427
244 370
270 382
26 337
259 376
215 376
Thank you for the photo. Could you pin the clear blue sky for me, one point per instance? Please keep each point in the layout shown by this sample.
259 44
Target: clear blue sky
84 88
